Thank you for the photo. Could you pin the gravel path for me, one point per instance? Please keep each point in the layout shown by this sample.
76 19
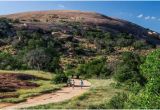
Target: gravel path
58 96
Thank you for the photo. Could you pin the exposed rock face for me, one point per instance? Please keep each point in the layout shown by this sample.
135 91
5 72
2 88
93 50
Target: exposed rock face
51 19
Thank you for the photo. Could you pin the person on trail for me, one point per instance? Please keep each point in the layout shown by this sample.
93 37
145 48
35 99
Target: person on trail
73 83
72 75
69 82
81 83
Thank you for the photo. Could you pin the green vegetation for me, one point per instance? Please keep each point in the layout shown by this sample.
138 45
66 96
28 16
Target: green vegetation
141 44
5 27
42 59
148 97
40 50
8 62
60 77
128 69
137 77
32 52
95 68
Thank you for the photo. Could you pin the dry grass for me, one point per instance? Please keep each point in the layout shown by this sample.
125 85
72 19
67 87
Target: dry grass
40 74
8 49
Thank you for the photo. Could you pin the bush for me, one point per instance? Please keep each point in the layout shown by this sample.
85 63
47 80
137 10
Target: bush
141 44
16 21
60 78
118 101
148 97
143 100
42 59
70 72
5 28
124 40
8 61
109 49
37 59
97 67
128 69
151 66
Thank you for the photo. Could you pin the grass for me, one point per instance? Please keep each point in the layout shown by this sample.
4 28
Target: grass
45 83
100 93
40 74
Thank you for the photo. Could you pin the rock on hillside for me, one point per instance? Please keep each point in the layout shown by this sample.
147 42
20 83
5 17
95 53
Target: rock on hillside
53 18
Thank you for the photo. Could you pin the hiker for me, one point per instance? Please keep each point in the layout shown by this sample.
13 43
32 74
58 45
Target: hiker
69 82
72 76
73 83
81 83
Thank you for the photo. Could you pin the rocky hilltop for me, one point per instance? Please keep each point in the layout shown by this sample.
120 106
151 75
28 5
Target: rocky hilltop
50 20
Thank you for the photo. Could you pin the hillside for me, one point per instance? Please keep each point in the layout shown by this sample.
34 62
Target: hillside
52 19
73 35
73 44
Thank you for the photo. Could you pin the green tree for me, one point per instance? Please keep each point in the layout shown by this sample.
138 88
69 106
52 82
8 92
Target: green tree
97 67
128 69
42 59
149 96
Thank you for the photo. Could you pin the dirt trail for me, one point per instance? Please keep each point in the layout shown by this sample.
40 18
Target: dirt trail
58 96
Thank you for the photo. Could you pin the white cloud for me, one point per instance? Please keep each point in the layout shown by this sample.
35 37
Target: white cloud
147 17
60 6
153 17
140 16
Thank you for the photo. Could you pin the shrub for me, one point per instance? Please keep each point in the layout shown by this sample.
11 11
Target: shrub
70 72
151 66
16 21
42 59
5 27
148 97
37 59
128 69
97 67
143 100
60 78
141 44
124 40
118 101
9 61
109 49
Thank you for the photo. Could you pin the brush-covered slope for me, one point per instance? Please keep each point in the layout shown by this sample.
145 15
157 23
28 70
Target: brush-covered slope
50 40
50 19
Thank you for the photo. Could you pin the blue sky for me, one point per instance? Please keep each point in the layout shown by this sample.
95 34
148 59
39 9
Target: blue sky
144 13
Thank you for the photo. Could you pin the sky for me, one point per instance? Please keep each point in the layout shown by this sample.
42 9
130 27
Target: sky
144 13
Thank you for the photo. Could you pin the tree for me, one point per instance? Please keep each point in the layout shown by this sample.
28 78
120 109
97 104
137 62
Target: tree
128 69
5 27
37 59
8 61
42 59
97 67
141 44
124 40
151 67
148 97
